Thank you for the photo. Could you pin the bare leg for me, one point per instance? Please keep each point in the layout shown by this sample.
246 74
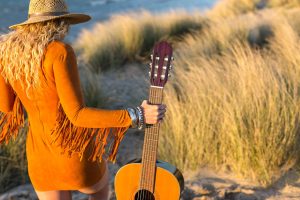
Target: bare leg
99 191
54 195
101 195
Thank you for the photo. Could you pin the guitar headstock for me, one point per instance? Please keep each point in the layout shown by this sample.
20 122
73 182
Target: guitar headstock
160 65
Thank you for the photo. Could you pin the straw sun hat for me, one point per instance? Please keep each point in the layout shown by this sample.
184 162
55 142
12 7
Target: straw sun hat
45 10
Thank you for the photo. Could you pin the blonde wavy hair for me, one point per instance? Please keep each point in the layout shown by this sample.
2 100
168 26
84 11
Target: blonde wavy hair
22 51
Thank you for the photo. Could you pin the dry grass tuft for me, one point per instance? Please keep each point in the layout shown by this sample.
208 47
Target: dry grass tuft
13 163
128 37
235 103
91 86
232 8
236 107
284 3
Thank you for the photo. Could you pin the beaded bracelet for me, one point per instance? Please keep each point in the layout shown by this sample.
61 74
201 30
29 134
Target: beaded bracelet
141 120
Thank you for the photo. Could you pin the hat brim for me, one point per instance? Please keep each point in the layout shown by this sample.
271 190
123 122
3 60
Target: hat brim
73 18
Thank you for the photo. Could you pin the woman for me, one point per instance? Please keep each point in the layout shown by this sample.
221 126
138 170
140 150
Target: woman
66 139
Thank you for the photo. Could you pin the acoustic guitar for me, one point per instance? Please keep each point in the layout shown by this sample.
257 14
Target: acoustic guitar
148 178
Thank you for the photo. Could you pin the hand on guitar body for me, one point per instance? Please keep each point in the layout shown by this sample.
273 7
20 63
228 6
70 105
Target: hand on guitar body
153 113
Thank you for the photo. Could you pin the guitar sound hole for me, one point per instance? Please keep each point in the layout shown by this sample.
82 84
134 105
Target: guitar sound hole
144 195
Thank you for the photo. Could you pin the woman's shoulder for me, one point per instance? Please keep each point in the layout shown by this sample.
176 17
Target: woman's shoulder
59 47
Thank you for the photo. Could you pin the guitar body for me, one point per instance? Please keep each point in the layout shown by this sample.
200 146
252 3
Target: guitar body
168 182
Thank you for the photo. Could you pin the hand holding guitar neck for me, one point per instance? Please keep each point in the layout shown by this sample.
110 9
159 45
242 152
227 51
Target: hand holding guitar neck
153 113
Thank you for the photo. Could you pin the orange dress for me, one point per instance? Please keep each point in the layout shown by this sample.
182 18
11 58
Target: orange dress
66 140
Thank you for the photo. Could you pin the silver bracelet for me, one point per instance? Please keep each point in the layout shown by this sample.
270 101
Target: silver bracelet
134 117
141 120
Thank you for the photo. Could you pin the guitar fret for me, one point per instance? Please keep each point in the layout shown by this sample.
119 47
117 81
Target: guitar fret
152 130
152 151
156 97
149 148
153 158
150 171
149 159
152 140
152 136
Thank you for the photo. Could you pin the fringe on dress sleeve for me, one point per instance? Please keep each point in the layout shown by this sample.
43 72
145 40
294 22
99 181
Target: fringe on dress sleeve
11 122
74 139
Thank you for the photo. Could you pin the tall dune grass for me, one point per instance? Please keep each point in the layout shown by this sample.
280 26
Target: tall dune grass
231 8
284 3
234 103
91 86
128 37
239 108
13 163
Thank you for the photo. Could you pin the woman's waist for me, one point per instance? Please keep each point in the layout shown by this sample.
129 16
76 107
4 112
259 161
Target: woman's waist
42 117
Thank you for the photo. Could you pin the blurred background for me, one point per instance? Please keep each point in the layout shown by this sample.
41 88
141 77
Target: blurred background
232 125
16 11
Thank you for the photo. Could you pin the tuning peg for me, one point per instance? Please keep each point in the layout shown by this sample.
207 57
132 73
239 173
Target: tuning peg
157 58
169 75
165 67
156 66
171 67
150 65
166 59
172 58
149 74
162 77
155 75
151 56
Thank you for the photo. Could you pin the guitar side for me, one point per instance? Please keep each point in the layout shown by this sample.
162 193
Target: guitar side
168 182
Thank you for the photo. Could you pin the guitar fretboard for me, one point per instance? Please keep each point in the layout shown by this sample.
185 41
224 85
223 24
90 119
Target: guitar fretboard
151 145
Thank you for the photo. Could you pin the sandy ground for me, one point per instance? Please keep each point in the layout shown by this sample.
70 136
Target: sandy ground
124 86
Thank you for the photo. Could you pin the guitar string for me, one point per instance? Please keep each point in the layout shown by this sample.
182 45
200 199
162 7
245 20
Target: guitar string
156 96
152 147
145 175
145 166
159 95
157 99
149 136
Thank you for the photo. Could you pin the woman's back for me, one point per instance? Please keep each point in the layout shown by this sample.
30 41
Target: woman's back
59 121
65 138
42 110
41 105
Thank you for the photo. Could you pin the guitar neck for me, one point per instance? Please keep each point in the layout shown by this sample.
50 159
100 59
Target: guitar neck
156 95
151 145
